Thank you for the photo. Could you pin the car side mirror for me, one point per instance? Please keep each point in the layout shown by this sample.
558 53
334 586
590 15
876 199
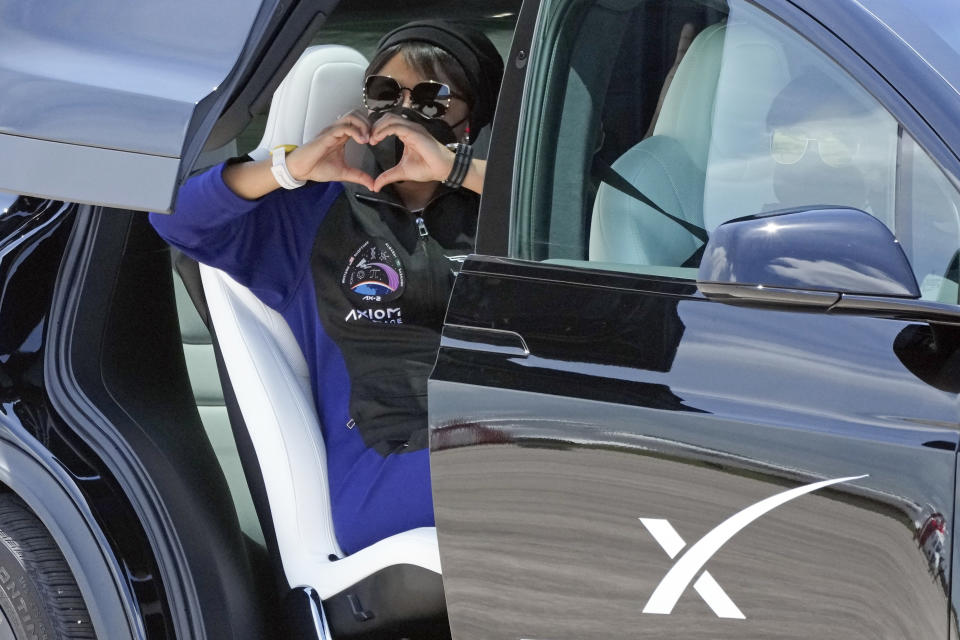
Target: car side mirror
805 257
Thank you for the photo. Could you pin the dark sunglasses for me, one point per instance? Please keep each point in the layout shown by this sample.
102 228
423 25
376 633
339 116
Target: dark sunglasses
430 98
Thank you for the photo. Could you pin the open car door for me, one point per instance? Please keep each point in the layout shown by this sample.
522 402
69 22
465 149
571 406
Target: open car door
112 102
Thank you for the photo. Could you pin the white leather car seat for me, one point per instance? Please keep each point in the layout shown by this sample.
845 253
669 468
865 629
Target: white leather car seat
668 167
270 377
201 364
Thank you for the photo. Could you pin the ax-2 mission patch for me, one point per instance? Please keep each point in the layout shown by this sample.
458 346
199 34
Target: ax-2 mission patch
374 273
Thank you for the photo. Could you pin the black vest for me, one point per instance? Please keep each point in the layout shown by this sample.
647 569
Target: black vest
383 276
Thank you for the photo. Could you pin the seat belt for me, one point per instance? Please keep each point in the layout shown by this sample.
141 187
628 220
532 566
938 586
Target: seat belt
189 271
609 175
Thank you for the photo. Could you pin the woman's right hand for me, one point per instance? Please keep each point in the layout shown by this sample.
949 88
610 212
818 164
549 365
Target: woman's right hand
322 159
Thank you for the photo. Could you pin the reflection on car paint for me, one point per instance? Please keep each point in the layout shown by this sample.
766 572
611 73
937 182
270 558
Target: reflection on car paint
34 233
570 452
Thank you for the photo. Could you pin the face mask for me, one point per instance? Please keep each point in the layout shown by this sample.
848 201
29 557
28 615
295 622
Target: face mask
389 150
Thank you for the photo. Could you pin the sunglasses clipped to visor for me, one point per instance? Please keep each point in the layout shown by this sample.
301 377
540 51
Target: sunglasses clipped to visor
429 98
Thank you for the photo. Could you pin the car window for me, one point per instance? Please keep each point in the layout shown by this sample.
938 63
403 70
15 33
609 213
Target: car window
656 121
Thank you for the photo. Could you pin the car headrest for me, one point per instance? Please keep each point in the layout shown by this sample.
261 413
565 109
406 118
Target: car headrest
668 167
325 82
687 111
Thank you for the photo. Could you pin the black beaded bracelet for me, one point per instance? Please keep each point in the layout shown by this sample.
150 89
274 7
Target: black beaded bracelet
461 164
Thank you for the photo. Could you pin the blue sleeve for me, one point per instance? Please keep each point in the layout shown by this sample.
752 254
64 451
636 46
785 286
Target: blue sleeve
263 244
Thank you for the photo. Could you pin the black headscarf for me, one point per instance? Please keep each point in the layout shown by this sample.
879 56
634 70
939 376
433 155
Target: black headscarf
470 47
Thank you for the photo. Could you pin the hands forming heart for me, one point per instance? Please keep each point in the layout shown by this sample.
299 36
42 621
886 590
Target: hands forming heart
322 159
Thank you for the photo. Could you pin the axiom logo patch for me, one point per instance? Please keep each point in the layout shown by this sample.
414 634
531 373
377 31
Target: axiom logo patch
690 565
393 315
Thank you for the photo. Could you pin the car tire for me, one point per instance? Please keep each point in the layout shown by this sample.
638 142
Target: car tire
39 597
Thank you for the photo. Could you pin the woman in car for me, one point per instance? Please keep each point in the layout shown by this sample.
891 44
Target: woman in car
361 267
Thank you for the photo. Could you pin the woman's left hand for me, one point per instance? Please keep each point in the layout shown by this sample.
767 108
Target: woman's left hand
424 158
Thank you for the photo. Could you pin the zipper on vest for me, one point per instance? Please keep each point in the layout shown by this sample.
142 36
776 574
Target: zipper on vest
422 227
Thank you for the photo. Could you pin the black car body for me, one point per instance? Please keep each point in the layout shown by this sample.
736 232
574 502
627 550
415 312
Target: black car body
753 439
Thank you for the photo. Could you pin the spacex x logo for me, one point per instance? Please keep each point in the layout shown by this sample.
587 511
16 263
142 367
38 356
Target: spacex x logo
690 564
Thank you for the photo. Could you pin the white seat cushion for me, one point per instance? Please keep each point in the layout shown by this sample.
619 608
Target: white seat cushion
270 380
668 168
325 83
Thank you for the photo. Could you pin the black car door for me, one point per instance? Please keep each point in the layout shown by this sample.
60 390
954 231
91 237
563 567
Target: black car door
620 449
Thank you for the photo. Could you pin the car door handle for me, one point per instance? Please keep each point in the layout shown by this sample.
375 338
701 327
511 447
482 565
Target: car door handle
498 341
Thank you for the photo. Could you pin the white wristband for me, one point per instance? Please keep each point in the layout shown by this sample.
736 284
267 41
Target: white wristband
280 171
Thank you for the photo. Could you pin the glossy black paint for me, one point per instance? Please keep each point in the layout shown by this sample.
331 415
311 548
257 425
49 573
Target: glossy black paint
631 336
829 250
643 403
598 316
34 233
